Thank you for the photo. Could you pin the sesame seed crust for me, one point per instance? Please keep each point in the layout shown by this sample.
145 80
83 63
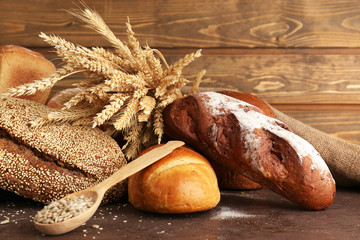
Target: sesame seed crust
46 163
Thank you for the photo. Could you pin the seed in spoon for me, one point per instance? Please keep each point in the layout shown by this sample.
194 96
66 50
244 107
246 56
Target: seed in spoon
63 209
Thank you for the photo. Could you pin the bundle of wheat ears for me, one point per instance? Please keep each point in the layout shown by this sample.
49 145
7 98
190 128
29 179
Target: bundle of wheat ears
125 90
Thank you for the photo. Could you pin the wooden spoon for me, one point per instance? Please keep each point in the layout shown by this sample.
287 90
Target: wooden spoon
97 192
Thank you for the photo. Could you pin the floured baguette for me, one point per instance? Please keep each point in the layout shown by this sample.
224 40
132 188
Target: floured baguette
231 178
262 148
46 163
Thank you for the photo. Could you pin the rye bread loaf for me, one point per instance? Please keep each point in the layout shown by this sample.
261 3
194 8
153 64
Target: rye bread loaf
46 163
262 148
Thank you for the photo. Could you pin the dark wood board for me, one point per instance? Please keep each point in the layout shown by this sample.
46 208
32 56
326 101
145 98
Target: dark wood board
258 214
189 23
277 76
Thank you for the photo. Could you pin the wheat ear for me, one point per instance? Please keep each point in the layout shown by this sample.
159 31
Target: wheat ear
177 67
115 104
43 84
195 86
158 123
95 21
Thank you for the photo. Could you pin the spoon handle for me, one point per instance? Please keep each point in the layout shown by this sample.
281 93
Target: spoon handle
138 164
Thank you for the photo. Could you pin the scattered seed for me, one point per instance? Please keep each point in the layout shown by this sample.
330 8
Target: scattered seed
6 221
63 209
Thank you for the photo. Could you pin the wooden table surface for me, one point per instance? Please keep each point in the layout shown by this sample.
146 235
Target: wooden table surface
258 214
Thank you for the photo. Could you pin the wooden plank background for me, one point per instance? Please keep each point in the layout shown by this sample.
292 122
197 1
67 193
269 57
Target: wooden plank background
301 56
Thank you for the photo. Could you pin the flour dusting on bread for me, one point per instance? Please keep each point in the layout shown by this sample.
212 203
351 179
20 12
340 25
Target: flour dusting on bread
250 120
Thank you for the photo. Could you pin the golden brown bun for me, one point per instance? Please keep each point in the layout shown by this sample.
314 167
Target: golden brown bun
49 162
181 182
19 65
57 101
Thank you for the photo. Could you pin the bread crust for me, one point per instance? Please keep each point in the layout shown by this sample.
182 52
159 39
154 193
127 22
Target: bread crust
47 163
19 65
263 149
252 99
181 182
229 178
57 101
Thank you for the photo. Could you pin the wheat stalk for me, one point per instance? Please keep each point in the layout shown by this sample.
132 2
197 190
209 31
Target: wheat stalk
177 67
125 89
96 22
115 104
158 123
196 84
43 84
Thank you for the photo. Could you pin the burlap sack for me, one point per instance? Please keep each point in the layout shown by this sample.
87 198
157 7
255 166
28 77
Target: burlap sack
342 158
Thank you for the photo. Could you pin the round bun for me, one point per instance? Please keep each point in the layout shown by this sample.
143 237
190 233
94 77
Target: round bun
181 182
19 65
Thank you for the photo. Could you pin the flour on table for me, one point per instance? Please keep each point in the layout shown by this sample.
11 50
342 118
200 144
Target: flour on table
230 213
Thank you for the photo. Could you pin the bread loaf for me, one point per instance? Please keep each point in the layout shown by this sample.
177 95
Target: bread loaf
263 149
19 65
57 101
46 163
252 99
229 178
181 182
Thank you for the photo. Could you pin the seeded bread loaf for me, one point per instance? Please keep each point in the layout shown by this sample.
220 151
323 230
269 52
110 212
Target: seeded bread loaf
262 148
19 65
181 182
49 162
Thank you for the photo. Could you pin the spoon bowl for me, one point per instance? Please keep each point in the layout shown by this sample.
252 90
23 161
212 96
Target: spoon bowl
96 193
74 222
